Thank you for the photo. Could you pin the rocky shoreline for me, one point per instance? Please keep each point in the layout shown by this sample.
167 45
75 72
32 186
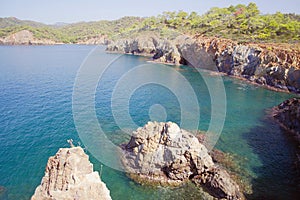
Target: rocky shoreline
273 66
287 114
162 153
69 175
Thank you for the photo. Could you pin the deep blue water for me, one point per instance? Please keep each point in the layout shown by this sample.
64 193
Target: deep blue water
36 86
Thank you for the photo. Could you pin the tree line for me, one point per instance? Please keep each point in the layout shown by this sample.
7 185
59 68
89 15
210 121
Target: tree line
240 22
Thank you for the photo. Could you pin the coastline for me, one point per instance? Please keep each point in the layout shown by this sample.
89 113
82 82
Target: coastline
213 73
275 67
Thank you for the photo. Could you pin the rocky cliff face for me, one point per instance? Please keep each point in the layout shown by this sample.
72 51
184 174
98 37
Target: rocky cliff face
70 175
288 115
24 37
165 154
271 65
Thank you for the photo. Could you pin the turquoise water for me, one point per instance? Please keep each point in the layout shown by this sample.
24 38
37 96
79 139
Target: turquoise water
36 85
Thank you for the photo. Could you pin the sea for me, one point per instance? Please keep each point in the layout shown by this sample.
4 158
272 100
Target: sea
49 94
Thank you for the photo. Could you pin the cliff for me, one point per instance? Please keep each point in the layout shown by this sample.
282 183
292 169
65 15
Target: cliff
274 66
70 175
24 37
162 153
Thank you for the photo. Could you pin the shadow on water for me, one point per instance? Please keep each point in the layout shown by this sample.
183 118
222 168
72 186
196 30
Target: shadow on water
279 175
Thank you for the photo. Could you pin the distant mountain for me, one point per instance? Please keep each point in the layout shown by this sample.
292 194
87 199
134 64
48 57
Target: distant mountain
64 32
60 24
13 21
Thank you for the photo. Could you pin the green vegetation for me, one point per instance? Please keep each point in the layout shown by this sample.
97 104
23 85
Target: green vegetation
240 22
69 33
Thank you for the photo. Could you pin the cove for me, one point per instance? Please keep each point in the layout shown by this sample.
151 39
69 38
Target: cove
36 84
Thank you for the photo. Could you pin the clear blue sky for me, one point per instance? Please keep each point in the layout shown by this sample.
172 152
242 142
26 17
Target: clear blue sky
52 11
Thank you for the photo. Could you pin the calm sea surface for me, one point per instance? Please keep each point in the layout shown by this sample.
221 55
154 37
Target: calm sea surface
36 85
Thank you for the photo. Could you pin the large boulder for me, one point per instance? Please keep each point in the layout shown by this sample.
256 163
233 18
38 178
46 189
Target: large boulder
165 154
69 175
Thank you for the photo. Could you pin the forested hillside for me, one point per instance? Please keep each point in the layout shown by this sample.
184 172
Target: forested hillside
240 22
67 33
235 22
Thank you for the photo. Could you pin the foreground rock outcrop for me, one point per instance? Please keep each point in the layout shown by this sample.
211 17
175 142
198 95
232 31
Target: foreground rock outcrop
275 66
70 175
162 153
288 115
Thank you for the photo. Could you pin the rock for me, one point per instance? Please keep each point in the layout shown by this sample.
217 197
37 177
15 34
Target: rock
70 175
194 54
139 46
24 37
288 115
147 45
245 61
276 66
165 154
293 79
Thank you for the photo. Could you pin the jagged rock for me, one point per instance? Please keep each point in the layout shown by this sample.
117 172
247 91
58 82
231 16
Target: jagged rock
288 115
265 64
293 79
139 46
159 49
70 175
24 37
195 54
165 154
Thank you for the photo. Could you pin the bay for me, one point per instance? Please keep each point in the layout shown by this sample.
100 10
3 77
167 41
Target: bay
36 119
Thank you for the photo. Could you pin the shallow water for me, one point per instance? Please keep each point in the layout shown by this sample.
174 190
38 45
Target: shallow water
36 85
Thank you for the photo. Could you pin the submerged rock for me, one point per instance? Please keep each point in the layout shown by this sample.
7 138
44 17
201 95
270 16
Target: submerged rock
69 175
165 154
3 193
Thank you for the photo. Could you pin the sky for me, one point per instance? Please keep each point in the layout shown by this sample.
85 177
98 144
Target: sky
70 11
